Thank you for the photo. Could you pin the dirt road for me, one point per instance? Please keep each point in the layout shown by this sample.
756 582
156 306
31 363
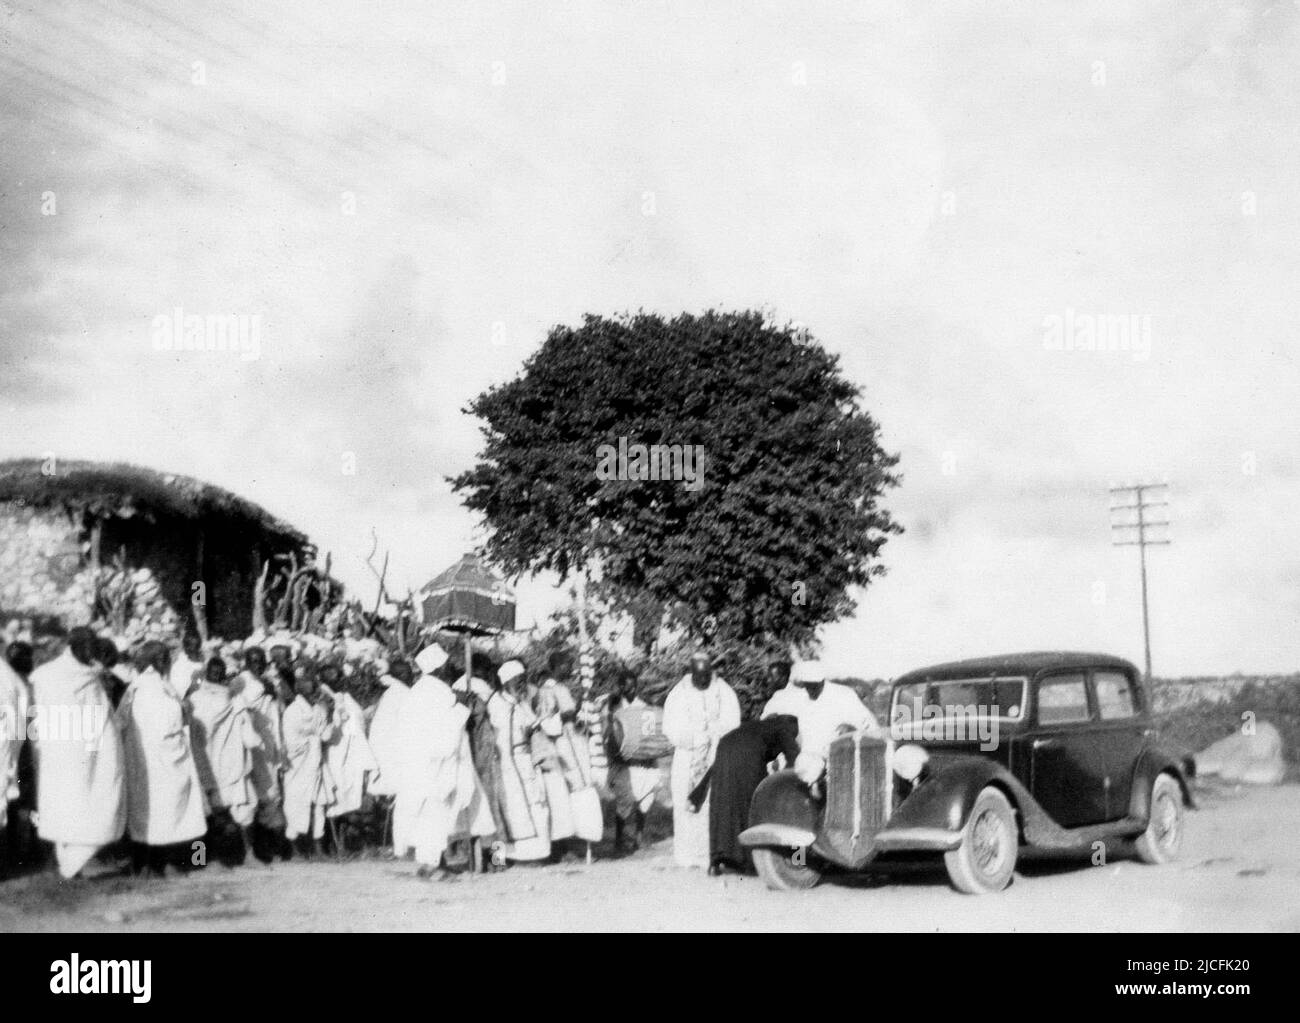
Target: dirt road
1240 870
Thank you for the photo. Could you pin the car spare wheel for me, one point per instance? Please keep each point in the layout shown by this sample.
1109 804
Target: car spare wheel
1164 834
786 870
989 846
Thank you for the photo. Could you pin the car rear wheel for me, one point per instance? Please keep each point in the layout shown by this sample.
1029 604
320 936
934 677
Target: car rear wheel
986 858
781 870
1164 834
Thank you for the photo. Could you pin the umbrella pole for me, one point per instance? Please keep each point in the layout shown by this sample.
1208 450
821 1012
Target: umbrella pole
473 839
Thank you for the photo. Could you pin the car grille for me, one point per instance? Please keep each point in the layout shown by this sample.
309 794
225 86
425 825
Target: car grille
855 792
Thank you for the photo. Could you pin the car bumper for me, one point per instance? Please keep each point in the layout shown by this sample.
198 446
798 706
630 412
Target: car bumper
781 836
920 839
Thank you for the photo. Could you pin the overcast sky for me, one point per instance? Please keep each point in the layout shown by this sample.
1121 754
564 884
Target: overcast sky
408 194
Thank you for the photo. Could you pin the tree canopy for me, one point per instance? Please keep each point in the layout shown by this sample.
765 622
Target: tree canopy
786 513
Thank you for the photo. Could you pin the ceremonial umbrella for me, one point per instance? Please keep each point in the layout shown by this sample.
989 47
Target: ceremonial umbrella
468 598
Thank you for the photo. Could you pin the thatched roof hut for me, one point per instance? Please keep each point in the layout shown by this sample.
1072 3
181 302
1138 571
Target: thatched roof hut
123 490
61 521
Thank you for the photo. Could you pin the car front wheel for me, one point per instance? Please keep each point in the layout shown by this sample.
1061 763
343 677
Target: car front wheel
785 870
1164 834
985 859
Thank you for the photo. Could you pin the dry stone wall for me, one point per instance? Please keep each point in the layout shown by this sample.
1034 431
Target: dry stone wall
43 567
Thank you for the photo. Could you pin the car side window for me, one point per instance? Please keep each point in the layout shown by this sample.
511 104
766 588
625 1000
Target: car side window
1115 698
1063 699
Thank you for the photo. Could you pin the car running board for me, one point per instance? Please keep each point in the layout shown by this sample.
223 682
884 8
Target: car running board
1050 835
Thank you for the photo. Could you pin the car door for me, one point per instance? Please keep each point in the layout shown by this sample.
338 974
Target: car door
1121 733
1066 772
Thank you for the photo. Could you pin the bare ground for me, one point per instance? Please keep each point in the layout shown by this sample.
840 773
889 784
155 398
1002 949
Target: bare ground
1240 870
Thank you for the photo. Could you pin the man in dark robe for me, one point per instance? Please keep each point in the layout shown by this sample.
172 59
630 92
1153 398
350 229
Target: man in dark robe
472 689
20 837
741 763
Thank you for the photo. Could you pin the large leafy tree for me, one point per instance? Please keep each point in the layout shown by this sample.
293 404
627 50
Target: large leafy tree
789 512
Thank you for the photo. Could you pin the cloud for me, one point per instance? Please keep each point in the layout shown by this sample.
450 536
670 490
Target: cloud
408 203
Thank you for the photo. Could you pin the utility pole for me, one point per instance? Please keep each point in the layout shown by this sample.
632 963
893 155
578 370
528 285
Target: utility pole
1136 513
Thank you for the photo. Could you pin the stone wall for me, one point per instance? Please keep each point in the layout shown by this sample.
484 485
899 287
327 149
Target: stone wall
45 571
42 564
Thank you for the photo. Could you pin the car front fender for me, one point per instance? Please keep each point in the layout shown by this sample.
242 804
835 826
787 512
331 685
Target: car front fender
1155 761
943 799
783 813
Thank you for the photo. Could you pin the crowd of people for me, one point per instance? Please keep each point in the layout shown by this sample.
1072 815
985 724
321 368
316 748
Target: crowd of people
171 756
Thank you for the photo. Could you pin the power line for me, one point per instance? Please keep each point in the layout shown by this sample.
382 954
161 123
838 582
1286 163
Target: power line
1143 522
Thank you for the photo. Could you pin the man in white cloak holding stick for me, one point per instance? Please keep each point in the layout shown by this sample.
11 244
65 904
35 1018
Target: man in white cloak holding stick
81 784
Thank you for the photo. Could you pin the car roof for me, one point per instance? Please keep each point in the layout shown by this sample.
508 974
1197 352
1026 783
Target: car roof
1027 664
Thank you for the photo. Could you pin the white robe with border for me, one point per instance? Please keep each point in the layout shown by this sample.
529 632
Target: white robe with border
523 793
694 720
569 783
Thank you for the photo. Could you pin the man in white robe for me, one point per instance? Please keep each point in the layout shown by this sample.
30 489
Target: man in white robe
557 711
428 741
264 710
699 711
524 808
824 709
81 777
187 666
385 725
349 756
164 797
224 739
308 788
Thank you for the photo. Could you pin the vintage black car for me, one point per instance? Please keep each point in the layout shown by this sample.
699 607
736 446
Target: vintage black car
981 757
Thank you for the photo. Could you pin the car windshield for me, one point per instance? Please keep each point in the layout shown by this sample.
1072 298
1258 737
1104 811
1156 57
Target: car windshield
965 697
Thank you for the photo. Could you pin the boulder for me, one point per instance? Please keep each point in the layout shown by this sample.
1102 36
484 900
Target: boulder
1249 759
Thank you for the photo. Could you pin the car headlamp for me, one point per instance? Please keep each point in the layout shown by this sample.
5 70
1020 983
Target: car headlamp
909 761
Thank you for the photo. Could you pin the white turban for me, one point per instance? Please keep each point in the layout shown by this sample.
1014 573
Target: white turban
808 673
809 767
431 658
510 671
